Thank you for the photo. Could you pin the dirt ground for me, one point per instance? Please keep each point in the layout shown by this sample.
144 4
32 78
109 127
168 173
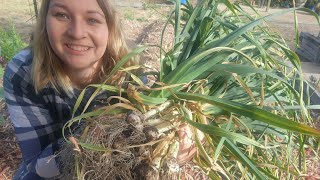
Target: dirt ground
141 26
284 24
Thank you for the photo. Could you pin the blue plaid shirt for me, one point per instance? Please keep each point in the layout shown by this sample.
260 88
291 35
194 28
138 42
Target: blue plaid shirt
37 118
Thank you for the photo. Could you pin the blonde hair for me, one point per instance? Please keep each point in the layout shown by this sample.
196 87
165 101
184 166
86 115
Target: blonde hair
47 68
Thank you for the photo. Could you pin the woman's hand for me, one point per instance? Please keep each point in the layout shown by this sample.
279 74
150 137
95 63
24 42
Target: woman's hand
187 147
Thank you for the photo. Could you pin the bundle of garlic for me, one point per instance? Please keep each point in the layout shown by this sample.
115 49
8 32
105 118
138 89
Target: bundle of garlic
225 76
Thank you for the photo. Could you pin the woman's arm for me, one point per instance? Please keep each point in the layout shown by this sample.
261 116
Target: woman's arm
36 131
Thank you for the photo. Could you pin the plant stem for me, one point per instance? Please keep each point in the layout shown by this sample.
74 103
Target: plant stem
170 167
154 111
167 126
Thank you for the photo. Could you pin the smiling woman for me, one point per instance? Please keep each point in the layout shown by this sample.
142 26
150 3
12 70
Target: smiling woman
83 36
78 34
76 43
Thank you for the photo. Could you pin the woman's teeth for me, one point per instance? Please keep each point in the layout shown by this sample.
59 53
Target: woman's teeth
78 48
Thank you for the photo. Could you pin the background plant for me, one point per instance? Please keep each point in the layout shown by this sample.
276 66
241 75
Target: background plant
10 42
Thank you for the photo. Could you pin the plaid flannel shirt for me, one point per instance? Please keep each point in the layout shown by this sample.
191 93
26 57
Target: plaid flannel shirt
37 118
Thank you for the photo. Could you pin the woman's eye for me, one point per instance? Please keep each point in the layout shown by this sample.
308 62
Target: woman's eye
93 21
61 16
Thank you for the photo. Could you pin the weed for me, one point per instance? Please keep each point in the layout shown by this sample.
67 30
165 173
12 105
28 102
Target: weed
142 19
10 43
1 93
129 15
1 87
2 119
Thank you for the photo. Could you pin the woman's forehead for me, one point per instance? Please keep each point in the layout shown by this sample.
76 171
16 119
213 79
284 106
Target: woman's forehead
77 5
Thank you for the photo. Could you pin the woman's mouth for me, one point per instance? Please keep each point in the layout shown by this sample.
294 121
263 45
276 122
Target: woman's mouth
77 47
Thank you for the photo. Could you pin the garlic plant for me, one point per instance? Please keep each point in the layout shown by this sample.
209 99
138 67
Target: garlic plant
227 75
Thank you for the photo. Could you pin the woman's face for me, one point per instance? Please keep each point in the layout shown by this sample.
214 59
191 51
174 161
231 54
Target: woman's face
78 34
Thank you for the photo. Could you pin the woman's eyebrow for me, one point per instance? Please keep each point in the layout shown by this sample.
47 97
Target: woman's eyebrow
58 5
95 12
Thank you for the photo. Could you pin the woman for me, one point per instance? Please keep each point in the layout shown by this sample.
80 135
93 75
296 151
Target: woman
76 43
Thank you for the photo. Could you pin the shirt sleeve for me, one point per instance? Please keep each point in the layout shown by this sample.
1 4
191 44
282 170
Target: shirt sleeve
38 135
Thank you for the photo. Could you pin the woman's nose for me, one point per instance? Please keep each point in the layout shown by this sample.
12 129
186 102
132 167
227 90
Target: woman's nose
77 29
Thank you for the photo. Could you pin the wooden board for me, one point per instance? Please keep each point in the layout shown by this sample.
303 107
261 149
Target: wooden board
309 48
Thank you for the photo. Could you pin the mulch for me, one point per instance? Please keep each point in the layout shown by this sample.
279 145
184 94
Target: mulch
10 155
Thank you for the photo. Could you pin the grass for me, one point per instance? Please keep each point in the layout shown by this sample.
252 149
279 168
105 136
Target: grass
1 88
2 119
10 43
15 6
18 13
142 19
129 14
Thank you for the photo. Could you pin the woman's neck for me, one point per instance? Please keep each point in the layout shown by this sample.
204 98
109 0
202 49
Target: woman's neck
80 79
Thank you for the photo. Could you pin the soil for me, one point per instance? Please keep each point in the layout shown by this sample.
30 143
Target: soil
10 155
141 26
147 31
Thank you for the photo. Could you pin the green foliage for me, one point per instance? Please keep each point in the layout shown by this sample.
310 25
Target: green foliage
1 88
142 19
1 93
10 42
129 15
2 119
1 71
234 80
